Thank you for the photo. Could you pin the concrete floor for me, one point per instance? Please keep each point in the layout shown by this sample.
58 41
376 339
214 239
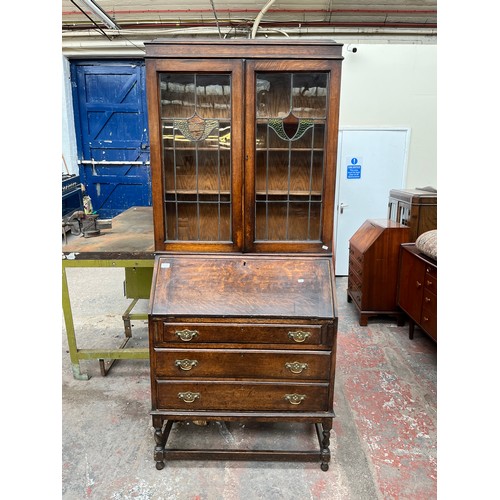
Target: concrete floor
383 442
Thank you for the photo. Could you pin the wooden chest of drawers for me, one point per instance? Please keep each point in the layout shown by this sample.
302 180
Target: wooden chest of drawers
236 337
417 289
373 268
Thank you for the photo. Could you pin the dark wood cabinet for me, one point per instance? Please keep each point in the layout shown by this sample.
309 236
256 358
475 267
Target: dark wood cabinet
415 208
243 144
373 268
242 313
417 290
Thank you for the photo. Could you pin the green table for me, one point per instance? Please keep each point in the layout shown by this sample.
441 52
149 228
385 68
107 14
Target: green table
129 244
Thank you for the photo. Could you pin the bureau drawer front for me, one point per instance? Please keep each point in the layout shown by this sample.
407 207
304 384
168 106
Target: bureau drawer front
355 275
241 396
354 281
356 254
242 363
244 333
354 287
355 268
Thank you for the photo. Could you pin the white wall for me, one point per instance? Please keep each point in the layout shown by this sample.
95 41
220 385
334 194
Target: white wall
69 150
386 85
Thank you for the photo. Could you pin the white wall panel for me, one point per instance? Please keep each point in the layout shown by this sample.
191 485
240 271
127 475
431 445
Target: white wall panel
388 85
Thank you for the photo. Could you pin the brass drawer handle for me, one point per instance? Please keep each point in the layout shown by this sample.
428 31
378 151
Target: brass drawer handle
186 335
186 364
295 399
299 336
427 299
296 367
419 284
429 282
188 397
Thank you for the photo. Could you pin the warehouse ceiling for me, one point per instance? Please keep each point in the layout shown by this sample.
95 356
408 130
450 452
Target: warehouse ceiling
128 23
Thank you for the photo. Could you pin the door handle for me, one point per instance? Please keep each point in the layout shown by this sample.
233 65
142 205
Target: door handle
342 206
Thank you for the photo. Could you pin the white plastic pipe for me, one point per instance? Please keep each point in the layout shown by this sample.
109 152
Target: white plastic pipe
260 15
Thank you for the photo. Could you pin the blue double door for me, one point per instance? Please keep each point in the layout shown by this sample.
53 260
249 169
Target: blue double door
109 99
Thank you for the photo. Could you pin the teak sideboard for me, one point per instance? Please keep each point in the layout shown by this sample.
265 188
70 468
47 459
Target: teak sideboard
242 312
417 289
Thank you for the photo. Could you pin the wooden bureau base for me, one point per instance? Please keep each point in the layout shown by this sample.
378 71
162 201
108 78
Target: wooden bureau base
163 427
242 338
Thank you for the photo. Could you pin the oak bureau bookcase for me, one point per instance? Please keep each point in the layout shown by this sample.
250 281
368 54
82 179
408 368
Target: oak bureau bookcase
242 314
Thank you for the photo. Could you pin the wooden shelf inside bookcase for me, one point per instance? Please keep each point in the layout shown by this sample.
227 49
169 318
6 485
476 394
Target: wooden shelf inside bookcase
203 192
278 192
285 150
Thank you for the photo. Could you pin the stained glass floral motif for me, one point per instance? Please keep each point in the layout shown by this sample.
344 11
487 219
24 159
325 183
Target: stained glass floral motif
196 129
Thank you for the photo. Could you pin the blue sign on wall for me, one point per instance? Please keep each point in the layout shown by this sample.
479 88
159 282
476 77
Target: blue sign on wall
354 169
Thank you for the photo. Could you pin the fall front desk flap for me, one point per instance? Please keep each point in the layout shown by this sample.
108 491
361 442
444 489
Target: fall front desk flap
233 286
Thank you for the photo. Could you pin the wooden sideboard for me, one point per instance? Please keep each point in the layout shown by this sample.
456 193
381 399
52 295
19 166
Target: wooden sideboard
373 268
417 289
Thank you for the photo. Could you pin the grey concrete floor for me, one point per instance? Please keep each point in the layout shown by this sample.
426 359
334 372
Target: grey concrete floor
383 441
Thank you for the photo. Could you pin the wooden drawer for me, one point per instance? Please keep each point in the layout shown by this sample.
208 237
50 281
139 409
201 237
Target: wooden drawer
428 319
355 280
241 333
242 363
241 396
355 261
354 287
358 272
430 279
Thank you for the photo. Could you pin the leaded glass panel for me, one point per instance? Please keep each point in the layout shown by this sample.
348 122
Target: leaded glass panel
291 111
196 132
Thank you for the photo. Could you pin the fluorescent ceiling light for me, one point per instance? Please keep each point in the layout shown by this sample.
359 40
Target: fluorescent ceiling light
101 14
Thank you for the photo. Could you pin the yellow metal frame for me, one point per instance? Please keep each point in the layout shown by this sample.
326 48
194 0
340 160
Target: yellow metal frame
121 352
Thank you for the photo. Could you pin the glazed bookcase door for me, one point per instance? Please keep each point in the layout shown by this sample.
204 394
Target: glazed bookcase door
197 163
290 155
